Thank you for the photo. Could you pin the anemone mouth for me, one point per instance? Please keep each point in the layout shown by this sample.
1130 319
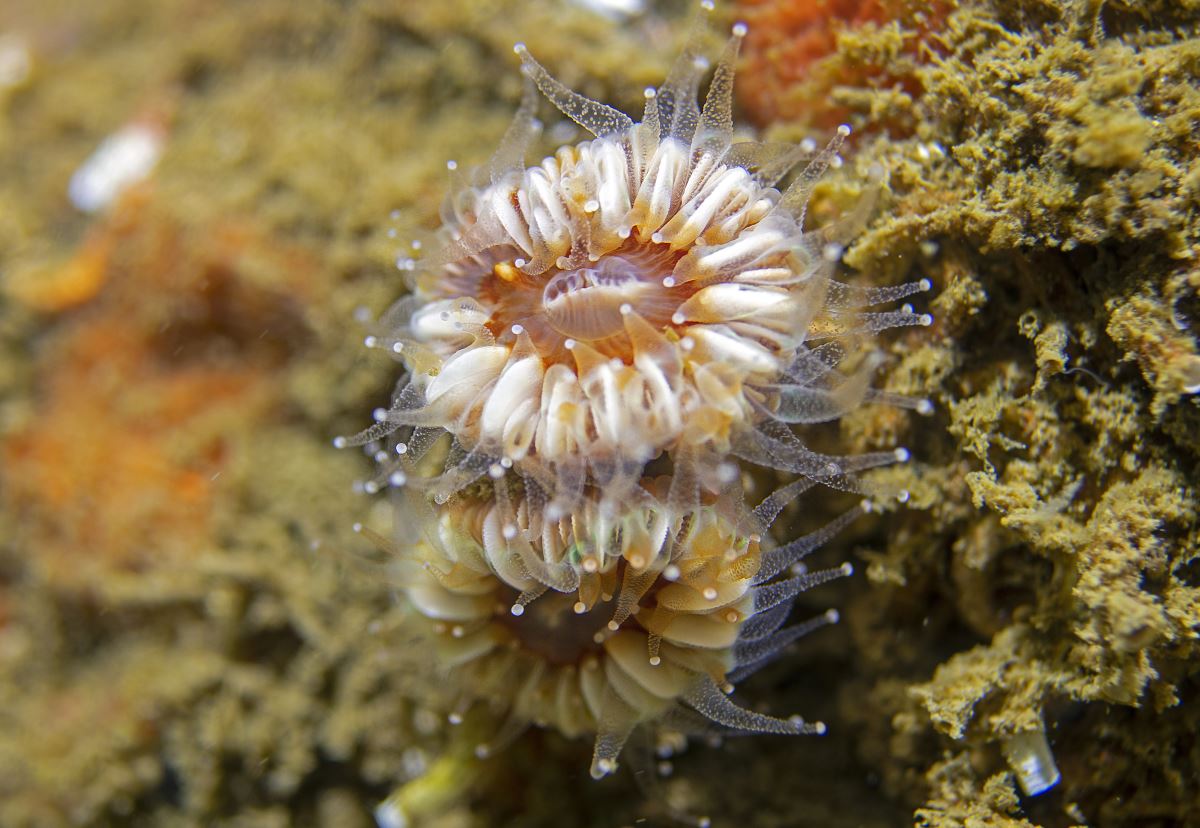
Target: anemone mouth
551 629
587 303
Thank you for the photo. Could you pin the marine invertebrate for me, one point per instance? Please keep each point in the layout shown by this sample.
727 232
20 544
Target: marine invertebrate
594 625
646 297
646 292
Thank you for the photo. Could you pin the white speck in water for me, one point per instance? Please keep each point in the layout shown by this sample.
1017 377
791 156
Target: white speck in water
122 160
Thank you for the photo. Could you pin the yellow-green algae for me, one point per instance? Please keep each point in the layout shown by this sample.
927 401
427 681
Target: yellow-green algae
1044 573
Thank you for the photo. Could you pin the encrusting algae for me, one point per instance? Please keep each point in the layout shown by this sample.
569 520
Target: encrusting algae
1050 188
211 657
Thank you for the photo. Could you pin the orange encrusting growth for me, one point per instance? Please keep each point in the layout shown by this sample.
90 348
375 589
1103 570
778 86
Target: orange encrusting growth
142 390
791 67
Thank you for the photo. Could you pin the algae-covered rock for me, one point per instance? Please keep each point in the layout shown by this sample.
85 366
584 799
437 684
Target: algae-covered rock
1044 567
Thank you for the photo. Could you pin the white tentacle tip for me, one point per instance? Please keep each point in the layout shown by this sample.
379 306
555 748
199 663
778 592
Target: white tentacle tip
602 768
740 29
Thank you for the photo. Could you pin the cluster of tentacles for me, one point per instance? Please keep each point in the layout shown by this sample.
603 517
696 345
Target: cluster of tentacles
600 344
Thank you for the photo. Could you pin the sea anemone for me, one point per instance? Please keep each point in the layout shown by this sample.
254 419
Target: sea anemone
594 625
598 342
644 294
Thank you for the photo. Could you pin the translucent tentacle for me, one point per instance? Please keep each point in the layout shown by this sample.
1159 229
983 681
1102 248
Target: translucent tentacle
595 117
510 155
774 503
617 720
771 595
710 702
779 559
464 473
765 622
859 323
921 405
795 198
842 295
527 597
766 162
751 656
716 119
800 404
812 363
633 587
677 108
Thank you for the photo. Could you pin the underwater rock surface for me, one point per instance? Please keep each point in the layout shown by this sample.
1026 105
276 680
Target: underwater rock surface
188 633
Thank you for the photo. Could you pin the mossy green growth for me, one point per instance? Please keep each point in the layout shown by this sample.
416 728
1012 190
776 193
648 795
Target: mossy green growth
1044 573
